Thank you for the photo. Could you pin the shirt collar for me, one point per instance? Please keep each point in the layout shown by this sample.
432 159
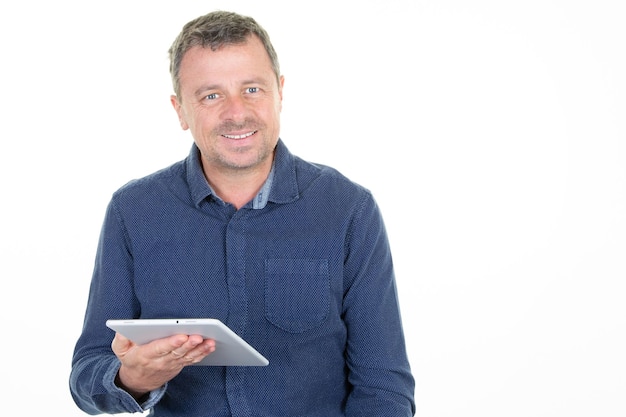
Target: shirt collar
279 187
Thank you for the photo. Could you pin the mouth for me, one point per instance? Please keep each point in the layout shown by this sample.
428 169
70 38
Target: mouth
242 136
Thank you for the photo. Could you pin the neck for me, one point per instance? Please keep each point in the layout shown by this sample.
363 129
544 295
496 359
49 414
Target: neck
237 187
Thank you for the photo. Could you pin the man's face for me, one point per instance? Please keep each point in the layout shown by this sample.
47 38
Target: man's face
230 100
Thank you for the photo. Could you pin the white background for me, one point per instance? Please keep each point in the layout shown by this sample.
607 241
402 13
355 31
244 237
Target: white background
492 134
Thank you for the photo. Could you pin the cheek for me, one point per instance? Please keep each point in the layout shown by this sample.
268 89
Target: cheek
200 121
279 103
276 110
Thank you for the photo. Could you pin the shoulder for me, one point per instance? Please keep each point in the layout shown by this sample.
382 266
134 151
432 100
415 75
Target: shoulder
327 177
166 180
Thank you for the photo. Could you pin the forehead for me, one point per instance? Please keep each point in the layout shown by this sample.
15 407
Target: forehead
242 60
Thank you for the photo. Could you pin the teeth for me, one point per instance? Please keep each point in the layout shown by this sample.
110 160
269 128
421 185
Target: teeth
239 136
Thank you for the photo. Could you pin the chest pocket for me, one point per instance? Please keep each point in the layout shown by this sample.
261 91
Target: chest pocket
297 293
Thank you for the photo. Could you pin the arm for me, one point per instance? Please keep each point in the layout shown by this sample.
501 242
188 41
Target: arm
115 377
376 355
111 295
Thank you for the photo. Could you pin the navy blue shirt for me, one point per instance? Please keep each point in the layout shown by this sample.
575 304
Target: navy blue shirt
303 273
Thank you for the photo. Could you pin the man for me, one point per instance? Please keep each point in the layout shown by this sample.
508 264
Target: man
292 256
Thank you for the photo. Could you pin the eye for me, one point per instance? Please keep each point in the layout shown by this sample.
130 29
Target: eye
211 96
252 89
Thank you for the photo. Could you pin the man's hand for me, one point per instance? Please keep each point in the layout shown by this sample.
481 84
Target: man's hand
147 367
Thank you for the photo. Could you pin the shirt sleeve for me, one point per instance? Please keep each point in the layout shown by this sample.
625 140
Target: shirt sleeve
94 365
379 371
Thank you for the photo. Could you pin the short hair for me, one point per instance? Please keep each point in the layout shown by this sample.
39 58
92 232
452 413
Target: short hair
215 30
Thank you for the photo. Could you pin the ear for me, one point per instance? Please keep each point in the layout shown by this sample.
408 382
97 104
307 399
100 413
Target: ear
281 83
179 111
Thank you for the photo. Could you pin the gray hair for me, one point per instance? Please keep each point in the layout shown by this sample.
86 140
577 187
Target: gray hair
214 30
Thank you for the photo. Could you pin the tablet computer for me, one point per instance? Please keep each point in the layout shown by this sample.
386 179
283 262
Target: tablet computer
230 349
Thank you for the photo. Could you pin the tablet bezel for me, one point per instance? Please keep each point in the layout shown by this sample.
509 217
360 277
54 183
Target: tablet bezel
230 348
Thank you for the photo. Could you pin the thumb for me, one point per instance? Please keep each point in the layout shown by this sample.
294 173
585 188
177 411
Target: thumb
121 345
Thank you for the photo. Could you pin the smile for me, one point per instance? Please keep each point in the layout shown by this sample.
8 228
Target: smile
245 135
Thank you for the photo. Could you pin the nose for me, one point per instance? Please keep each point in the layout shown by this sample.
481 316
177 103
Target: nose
234 108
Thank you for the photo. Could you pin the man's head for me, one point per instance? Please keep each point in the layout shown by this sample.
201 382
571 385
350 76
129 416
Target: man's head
228 93
215 30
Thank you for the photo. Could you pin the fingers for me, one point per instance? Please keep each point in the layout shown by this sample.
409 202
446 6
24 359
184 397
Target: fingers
188 357
193 351
169 345
177 351
184 357
177 355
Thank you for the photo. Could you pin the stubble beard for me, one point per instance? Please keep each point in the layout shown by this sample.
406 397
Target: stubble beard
265 151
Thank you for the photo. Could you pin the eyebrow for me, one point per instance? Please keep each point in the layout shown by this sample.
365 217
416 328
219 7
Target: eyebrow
200 90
